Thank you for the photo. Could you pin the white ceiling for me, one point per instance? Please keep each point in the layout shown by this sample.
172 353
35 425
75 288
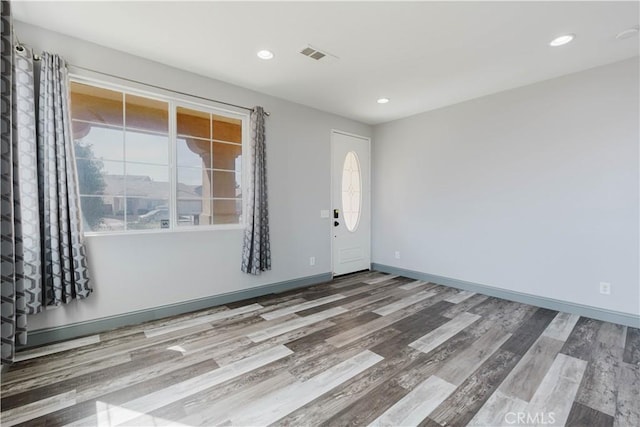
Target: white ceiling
421 55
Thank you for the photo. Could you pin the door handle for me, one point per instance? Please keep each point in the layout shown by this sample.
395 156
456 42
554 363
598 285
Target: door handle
336 223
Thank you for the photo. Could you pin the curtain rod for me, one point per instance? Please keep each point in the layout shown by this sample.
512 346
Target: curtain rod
20 48
165 88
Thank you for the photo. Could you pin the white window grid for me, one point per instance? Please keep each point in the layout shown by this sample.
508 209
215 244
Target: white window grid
174 101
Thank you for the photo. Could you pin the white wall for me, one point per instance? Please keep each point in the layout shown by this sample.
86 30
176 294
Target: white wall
532 190
135 272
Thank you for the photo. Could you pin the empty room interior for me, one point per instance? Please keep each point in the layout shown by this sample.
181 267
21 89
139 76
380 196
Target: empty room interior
320 213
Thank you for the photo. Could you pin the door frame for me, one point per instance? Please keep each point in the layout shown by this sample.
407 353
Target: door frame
331 173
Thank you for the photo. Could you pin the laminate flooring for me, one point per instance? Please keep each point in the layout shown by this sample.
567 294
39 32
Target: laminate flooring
366 349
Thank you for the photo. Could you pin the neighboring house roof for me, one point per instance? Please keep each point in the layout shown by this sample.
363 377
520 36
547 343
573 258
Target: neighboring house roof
144 186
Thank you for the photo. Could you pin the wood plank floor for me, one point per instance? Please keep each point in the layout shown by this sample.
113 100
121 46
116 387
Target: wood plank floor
365 349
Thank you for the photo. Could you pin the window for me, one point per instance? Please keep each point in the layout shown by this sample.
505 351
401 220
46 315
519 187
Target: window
148 163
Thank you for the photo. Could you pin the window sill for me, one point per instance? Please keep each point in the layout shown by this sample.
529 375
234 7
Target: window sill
166 231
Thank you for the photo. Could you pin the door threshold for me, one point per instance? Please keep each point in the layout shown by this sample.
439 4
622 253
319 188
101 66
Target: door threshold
351 274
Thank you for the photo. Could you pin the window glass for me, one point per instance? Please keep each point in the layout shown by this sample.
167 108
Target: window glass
194 182
227 211
226 156
102 213
226 184
124 149
149 181
193 152
193 123
101 185
146 147
98 141
96 105
147 213
227 129
351 191
97 177
195 212
147 114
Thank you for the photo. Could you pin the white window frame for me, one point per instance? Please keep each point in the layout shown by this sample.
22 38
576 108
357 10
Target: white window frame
174 101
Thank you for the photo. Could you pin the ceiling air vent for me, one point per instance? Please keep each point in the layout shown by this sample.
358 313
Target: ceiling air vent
316 54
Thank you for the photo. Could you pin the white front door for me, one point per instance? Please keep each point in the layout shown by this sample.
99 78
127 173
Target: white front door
351 203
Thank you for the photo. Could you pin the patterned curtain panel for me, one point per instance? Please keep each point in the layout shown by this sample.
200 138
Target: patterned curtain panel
65 274
14 315
43 255
25 187
256 252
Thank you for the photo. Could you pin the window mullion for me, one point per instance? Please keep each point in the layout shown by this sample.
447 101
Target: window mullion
124 160
173 170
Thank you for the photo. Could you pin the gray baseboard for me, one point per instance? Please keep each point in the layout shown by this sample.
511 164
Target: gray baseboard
61 333
544 302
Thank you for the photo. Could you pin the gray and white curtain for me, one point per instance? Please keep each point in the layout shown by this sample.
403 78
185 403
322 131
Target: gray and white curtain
65 274
256 251
14 314
43 254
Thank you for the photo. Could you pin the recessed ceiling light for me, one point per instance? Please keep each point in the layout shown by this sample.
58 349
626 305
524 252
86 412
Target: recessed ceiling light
628 33
562 40
265 54
383 100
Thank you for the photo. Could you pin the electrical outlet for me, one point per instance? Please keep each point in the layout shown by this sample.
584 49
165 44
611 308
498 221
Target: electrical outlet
312 260
605 288
397 254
